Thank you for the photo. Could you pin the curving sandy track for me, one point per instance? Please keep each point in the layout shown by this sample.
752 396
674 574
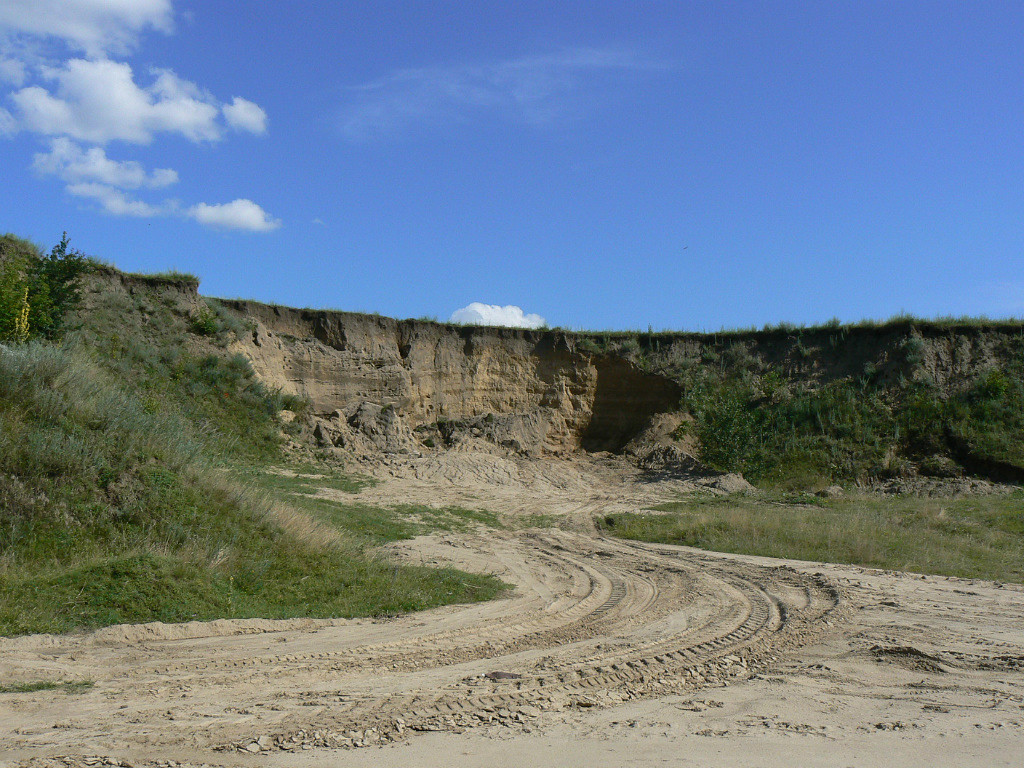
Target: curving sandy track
593 622
595 627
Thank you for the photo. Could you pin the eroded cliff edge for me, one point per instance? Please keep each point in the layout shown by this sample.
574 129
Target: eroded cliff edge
534 392
867 404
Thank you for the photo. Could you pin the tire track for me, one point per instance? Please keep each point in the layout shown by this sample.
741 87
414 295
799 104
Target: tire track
736 637
594 622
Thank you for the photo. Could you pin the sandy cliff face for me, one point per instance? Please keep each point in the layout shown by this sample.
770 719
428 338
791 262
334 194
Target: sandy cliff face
377 384
536 384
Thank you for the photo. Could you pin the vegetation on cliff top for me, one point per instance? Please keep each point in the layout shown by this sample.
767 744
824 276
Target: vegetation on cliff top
37 290
799 436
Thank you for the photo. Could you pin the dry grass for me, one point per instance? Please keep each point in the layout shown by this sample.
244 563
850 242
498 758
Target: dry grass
976 537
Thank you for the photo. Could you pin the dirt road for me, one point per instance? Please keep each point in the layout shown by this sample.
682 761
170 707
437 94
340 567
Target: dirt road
607 653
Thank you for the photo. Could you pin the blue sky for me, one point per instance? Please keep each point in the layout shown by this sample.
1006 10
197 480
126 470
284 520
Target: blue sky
600 164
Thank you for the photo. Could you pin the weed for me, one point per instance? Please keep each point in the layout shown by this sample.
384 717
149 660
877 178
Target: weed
913 350
204 323
77 686
37 290
977 537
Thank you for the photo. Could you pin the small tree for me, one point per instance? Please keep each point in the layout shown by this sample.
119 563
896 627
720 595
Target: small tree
37 290
55 288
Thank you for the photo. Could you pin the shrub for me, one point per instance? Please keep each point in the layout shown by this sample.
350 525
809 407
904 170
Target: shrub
914 350
204 323
37 290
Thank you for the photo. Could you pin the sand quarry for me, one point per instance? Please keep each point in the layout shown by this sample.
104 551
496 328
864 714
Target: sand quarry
607 653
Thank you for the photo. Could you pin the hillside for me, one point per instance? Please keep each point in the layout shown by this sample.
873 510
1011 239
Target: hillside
149 460
127 488
168 459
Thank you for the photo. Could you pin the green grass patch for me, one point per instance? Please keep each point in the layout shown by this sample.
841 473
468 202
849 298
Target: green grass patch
369 524
68 686
374 525
533 520
976 537
304 479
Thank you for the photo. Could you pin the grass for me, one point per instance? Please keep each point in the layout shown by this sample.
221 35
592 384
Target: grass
895 322
370 525
534 520
147 341
377 525
304 478
167 278
116 508
68 686
975 537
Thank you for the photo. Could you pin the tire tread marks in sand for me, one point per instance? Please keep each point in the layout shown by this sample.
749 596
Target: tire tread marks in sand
732 641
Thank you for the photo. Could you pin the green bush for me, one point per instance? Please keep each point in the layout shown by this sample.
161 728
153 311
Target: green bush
37 290
204 323
779 432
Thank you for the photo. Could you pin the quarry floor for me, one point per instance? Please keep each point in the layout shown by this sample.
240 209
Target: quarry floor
607 653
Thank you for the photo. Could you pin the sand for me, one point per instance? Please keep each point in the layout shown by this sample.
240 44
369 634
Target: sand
607 653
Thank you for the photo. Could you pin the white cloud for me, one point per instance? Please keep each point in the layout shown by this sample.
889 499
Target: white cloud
8 125
535 89
492 314
117 202
243 115
12 72
96 27
54 91
238 214
75 165
98 102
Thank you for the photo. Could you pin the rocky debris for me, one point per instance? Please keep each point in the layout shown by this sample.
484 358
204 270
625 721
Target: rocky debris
730 482
896 725
658 448
934 487
657 452
366 429
667 459
522 434
96 761
382 426
831 492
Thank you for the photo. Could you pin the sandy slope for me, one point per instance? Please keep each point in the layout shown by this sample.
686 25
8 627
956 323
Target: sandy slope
610 653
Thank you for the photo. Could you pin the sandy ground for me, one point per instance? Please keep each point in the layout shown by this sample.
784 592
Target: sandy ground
608 653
